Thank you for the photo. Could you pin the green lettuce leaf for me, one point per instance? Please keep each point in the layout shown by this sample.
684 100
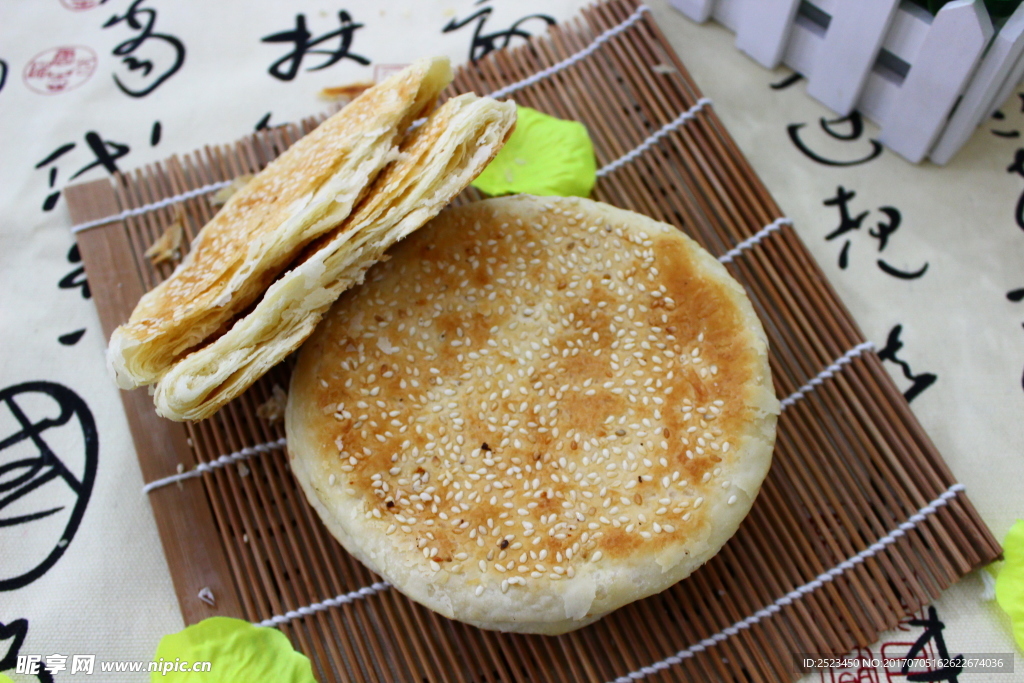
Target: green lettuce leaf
544 156
236 651
1010 581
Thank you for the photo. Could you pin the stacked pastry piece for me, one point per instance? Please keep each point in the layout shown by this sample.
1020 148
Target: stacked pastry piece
261 274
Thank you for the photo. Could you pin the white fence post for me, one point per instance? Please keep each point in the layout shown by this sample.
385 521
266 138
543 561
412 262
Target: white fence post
697 10
940 70
728 13
1009 85
764 29
805 38
928 82
996 69
848 52
903 42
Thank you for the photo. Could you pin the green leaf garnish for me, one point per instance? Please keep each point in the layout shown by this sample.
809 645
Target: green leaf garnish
236 651
544 156
1010 581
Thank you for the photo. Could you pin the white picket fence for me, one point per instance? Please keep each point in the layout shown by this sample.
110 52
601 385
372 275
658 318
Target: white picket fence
927 81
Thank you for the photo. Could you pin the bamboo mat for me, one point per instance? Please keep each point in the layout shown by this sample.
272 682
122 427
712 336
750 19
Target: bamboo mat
858 524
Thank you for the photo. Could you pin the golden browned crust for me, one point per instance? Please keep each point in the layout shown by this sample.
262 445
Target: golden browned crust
306 191
536 411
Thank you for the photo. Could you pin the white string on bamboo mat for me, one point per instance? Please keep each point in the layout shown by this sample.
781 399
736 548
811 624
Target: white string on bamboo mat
728 256
827 373
146 208
343 599
796 594
222 461
787 599
503 92
653 139
573 58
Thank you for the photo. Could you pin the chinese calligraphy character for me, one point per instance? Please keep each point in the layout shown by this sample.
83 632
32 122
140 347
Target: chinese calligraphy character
484 43
51 199
105 153
14 632
932 631
3 74
830 127
793 78
920 381
287 67
881 232
846 223
74 280
1016 296
151 57
42 481
1018 167
1000 116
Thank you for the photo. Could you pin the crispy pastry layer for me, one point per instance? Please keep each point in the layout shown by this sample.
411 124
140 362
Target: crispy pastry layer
436 162
308 190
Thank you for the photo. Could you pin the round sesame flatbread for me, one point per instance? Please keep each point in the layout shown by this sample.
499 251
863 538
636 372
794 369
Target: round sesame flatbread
536 411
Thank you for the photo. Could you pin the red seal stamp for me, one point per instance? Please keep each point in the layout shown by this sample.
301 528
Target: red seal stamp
79 5
60 69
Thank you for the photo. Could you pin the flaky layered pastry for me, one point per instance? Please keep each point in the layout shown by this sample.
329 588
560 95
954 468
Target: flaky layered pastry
305 192
436 162
536 411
